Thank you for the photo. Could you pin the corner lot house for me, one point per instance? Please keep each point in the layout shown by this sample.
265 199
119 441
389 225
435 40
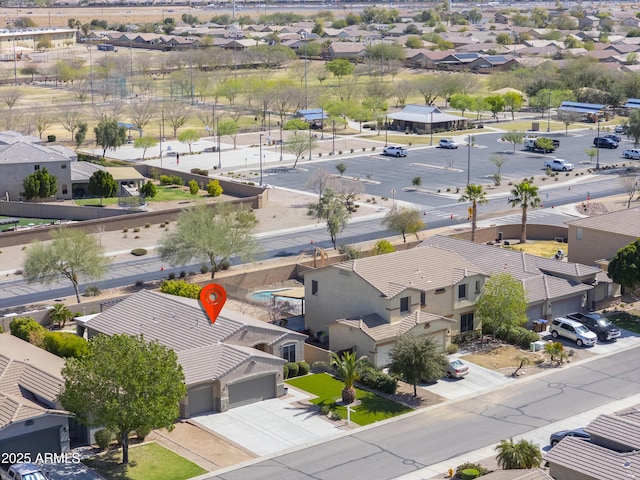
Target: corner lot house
235 361
31 418
432 290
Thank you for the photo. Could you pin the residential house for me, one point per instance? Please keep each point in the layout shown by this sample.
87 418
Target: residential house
492 63
594 240
21 156
32 419
588 22
349 50
425 58
534 474
630 21
28 38
425 118
432 290
233 362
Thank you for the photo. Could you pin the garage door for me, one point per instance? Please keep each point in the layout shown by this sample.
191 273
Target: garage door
252 390
382 357
568 305
200 399
534 312
42 441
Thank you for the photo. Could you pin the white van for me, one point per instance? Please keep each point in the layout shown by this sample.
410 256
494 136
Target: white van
633 153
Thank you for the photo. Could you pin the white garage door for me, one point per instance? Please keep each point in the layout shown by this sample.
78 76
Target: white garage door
534 312
252 390
561 308
382 357
42 441
200 399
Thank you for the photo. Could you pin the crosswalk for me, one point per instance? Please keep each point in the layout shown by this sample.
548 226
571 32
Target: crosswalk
532 216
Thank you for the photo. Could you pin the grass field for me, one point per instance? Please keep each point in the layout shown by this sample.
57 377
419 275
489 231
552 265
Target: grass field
627 320
147 462
165 194
23 222
372 408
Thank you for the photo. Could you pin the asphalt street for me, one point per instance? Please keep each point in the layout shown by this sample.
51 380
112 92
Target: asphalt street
407 444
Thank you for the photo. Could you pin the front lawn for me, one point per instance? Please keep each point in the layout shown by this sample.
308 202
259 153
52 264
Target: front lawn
146 462
165 194
540 248
626 320
328 390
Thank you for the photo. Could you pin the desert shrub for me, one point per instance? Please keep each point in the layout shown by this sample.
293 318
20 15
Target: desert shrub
374 378
165 180
293 369
469 474
147 225
149 190
214 189
324 409
104 438
285 371
194 188
181 288
517 336
451 349
199 171
21 327
139 283
204 269
321 367
92 291
65 344
51 138
138 252
303 368
468 465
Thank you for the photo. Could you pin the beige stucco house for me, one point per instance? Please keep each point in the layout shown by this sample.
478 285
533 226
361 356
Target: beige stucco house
233 362
432 290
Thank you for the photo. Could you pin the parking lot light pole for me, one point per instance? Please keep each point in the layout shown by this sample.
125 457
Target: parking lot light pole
386 131
469 160
598 146
549 116
261 158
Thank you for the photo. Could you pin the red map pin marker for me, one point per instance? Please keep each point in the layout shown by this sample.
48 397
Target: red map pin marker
212 299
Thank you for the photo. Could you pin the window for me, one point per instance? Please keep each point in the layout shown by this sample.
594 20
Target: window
404 304
462 291
314 287
36 167
289 352
466 322
578 234
478 286
63 166
423 299
64 189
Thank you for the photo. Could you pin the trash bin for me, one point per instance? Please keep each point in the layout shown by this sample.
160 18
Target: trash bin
539 326
535 126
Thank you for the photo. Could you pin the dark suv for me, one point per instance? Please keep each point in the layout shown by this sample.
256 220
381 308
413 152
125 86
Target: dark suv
604 142
598 324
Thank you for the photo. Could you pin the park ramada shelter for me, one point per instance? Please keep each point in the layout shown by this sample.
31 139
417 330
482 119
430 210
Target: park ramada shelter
425 119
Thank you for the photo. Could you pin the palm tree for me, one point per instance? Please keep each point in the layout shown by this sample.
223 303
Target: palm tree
525 195
524 454
59 313
477 196
348 368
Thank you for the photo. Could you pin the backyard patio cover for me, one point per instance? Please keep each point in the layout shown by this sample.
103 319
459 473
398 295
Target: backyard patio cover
581 107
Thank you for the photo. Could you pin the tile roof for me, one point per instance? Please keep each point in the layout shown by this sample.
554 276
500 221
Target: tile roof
415 268
603 464
618 429
378 329
535 474
22 152
623 222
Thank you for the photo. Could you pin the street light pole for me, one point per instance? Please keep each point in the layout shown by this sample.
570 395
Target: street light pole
309 141
431 128
386 131
280 123
549 115
333 137
306 98
598 146
219 150
261 158
469 160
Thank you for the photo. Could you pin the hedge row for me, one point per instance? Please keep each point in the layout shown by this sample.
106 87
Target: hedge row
181 288
62 344
378 380
517 336
295 369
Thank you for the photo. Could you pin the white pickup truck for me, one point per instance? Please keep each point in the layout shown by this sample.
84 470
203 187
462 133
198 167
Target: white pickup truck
22 471
558 165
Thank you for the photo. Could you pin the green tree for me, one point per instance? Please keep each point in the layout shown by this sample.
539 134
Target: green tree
332 208
149 190
205 234
340 68
498 161
503 39
298 145
229 127
194 188
383 246
71 254
81 134
495 104
513 137
110 135
145 143
591 153
348 368
102 184
477 196
568 118
60 314
404 221
341 167
624 268
523 454
525 196
502 303
556 352
512 102
461 102
633 127
40 184
214 189
417 359
414 41
124 384
189 137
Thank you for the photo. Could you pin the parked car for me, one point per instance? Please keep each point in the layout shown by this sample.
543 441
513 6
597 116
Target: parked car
558 165
604 142
22 471
448 143
633 153
620 128
457 369
573 330
578 432
615 138
395 151
601 326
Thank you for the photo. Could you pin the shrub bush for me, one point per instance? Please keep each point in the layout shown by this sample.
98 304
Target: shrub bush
469 474
138 252
303 368
293 369
22 327
165 180
468 465
204 269
321 367
285 371
517 336
136 230
452 348
373 378
214 189
199 171
65 344
194 188
92 291
149 190
181 288
104 438
51 138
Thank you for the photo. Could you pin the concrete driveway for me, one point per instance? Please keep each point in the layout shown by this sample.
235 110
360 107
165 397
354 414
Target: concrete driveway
477 380
270 426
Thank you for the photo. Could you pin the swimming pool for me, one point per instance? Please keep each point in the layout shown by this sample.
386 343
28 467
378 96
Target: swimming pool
266 295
